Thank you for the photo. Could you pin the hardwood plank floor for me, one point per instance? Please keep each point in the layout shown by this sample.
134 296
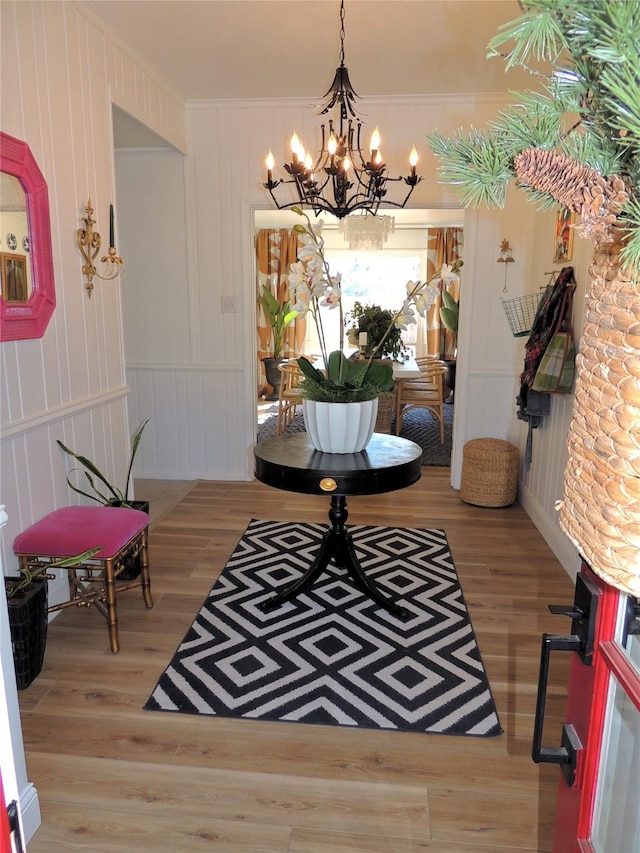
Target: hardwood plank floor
112 777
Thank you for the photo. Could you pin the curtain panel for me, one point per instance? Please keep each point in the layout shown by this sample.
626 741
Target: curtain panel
444 245
276 250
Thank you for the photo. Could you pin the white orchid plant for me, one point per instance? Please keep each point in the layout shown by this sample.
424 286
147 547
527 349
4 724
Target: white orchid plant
313 287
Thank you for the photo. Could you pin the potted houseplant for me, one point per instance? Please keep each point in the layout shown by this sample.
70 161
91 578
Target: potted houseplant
374 321
28 615
278 316
343 381
104 492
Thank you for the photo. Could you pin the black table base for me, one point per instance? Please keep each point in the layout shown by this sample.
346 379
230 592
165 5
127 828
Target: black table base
337 545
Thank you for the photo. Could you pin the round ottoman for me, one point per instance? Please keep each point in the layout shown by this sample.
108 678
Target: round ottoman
489 472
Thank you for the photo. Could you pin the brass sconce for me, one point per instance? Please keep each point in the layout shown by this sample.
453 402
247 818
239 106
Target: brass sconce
506 257
89 244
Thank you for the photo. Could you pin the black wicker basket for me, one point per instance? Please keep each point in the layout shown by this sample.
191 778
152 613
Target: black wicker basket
28 620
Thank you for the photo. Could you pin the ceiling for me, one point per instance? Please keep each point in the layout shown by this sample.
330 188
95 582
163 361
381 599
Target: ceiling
228 49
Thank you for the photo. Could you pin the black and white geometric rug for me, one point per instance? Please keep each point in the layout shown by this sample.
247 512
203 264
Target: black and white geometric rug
332 656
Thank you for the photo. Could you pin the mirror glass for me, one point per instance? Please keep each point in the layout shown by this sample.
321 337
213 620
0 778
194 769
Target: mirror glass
15 262
27 296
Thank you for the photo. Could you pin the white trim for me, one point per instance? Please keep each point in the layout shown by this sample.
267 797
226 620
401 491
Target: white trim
59 413
186 367
560 544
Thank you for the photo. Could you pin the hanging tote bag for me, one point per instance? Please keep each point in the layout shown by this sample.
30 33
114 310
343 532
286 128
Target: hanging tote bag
557 366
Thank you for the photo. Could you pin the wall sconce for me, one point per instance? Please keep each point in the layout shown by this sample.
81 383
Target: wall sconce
89 243
506 257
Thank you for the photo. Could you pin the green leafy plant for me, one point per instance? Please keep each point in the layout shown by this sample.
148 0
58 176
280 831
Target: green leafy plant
449 312
576 142
278 316
14 587
94 476
375 321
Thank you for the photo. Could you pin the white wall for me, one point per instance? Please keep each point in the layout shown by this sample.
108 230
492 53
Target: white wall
59 75
70 384
206 432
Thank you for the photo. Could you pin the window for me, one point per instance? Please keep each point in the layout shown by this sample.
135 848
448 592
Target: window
377 278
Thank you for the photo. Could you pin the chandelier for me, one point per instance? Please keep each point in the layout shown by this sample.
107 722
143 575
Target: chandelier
362 231
342 179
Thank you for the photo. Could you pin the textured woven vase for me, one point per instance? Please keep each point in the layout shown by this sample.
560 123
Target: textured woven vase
340 427
600 510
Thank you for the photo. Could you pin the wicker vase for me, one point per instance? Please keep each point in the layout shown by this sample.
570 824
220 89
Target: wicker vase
340 427
600 510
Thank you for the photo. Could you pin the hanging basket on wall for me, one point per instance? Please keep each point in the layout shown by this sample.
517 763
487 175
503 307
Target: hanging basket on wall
521 312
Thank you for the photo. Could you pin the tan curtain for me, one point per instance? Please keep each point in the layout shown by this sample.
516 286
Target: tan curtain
276 250
444 245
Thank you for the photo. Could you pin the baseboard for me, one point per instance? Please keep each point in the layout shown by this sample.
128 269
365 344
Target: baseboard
560 544
29 811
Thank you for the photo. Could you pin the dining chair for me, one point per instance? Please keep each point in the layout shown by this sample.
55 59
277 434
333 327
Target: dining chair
290 396
423 393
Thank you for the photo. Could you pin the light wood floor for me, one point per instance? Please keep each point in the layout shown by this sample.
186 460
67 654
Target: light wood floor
112 777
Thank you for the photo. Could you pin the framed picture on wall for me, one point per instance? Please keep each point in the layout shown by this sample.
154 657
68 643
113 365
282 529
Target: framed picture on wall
14 277
563 236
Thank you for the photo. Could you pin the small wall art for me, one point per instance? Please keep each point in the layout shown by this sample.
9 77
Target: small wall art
563 236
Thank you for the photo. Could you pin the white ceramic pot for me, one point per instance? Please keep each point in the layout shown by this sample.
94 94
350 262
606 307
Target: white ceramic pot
340 427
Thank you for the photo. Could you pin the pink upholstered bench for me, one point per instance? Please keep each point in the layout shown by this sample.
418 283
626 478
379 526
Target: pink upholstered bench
66 532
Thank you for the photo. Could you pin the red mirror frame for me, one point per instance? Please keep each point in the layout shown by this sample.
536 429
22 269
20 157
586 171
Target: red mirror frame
30 320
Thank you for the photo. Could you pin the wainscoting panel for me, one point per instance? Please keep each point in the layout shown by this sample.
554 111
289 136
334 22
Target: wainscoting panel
195 429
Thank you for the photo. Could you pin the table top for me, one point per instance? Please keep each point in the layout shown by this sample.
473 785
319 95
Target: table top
290 462
406 369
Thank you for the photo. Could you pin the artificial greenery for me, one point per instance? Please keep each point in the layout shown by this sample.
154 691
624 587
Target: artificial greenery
113 496
278 316
383 336
346 380
586 118
14 587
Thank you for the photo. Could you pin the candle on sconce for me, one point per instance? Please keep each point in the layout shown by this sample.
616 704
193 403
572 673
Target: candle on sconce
112 241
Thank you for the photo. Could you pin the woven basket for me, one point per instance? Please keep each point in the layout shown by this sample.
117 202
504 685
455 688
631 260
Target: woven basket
385 413
600 509
490 469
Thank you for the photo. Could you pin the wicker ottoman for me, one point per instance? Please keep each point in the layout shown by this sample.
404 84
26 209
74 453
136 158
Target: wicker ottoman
490 469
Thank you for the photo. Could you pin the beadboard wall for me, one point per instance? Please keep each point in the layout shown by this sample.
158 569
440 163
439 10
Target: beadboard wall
64 73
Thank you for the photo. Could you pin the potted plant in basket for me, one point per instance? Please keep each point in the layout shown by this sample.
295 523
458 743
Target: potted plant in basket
279 316
28 615
374 321
343 380
105 493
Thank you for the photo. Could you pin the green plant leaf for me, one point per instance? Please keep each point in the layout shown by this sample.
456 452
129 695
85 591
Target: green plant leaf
135 441
89 465
27 575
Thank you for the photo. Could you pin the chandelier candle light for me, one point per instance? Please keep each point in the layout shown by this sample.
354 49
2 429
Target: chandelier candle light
342 179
